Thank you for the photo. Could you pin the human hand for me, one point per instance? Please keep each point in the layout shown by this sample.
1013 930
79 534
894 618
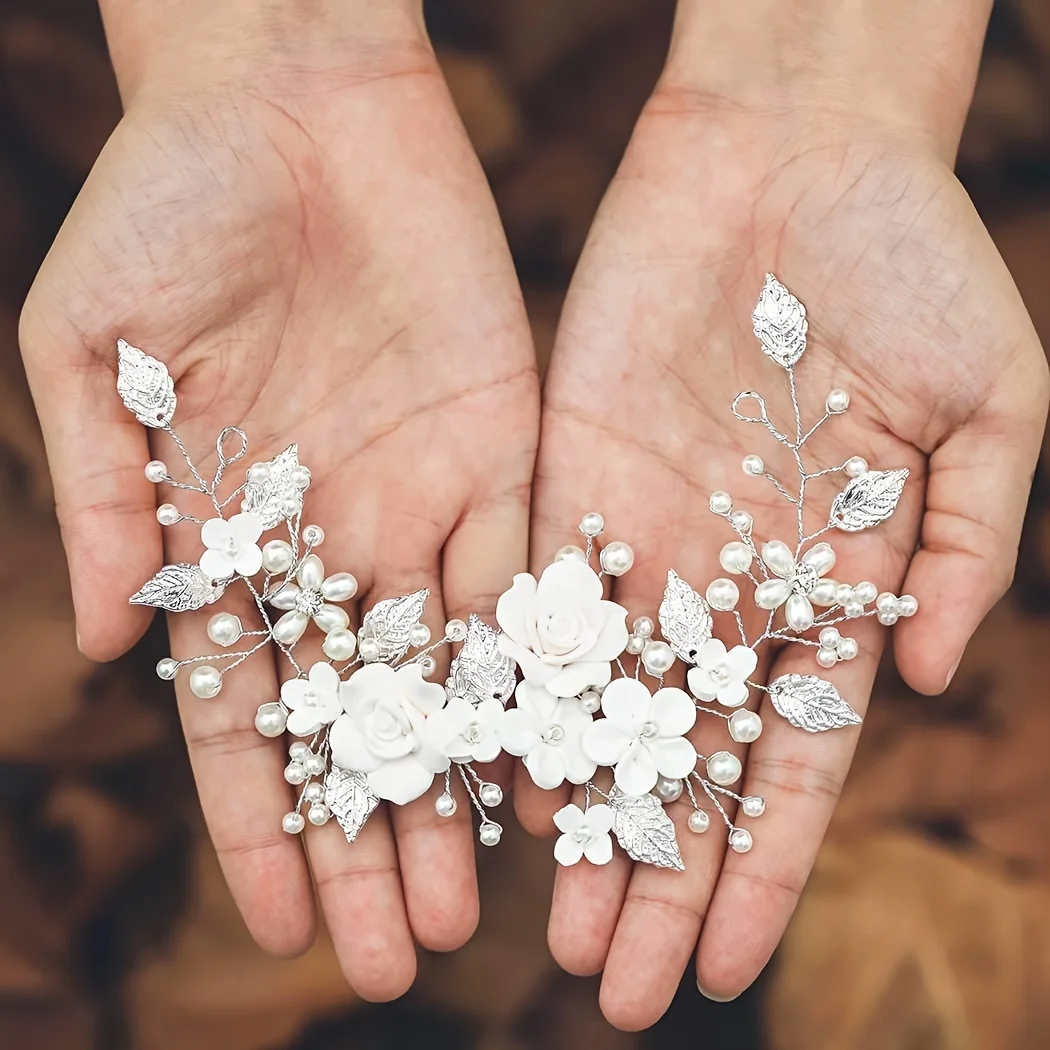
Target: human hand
815 142
291 217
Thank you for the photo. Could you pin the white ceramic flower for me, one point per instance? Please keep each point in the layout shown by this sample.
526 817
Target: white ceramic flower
311 600
465 733
584 834
548 733
642 735
560 631
798 584
382 733
232 546
313 701
720 675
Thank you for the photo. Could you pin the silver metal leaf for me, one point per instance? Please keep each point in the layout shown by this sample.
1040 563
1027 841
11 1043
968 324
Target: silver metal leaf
780 322
867 499
390 623
348 796
144 385
685 618
480 671
644 830
810 703
179 588
268 499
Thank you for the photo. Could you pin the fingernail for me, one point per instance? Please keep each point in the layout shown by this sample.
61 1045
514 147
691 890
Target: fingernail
77 629
715 998
951 673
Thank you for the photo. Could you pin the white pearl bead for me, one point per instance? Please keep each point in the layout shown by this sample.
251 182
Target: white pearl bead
699 821
820 557
290 627
724 768
635 644
455 630
570 552
847 649
418 635
298 750
300 477
824 593
829 637
865 592
319 814
886 602
798 612
168 514
291 506
590 701
855 466
293 823
340 644
271 719
490 794
853 610
167 668
753 806
224 629
888 618
339 587
907 605
295 772
742 521
592 524
277 556
745 727
310 573
617 558
722 594
489 833
445 805
843 594
720 502
753 465
668 789
644 626
259 473
313 535
838 401
427 666
368 649
657 658
735 557
778 557
156 471
827 657
314 792
205 681
740 840
314 765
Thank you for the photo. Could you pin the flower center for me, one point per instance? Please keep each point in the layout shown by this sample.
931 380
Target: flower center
553 734
308 601
561 631
387 725
233 548
720 674
584 836
649 730
310 698
805 579
472 734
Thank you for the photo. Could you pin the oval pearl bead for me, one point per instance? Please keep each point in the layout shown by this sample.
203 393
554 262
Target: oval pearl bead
722 594
837 402
224 629
720 502
270 720
617 558
490 794
445 805
489 833
311 572
668 789
798 612
293 823
907 605
332 618
313 535
592 524
735 557
745 727
167 668
699 821
319 814
821 558
724 768
855 466
753 806
205 681
340 644
778 557
824 593
657 658
339 587
753 465
277 556
635 644
156 471
740 840
455 630
290 627
168 514
419 635
827 658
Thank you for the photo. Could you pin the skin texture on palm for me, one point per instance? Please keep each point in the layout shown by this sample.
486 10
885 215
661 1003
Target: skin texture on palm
313 252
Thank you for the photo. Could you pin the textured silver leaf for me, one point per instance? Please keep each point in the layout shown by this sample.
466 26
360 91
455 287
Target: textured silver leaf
644 830
810 703
267 498
480 671
780 322
685 619
348 796
144 385
179 588
867 499
390 622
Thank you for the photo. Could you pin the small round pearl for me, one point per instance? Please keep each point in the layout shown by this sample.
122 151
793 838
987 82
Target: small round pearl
368 648
753 806
592 524
314 765
724 768
829 637
293 823
259 473
570 552
427 666
827 657
847 649
657 658
313 535
740 840
300 477
419 635
753 465
635 644
298 750
277 556
314 792
720 502
295 773
668 789
723 594
617 558
699 821
166 668
865 592
455 630
340 644
735 557
888 617
838 401
853 610
590 701
445 805
156 471
843 594
745 727
742 521
907 605
168 514
886 602
224 629
855 466
205 681
644 626
271 719
489 833
490 794
339 587
319 814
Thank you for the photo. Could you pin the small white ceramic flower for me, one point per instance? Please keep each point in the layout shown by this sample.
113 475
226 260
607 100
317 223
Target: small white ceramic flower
313 701
465 733
798 584
642 735
548 733
720 675
382 733
584 834
561 632
232 546
311 600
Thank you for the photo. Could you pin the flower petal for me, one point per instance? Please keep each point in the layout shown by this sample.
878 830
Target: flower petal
673 711
733 694
569 580
310 573
285 597
535 700
532 667
349 749
579 768
741 661
249 561
771 594
518 732
674 757
545 766
216 565
627 703
305 721
293 692
246 527
401 781
324 678
605 743
712 653
487 749
600 819
291 626
701 684
490 713
569 819
366 683
636 771
425 696
614 634
512 605
567 851
573 679
599 850
216 533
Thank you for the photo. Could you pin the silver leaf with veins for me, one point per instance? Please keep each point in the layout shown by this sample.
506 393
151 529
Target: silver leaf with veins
810 703
685 619
144 385
779 320
644 830
267 499
348 796
867 500
179 588
390 623
480 671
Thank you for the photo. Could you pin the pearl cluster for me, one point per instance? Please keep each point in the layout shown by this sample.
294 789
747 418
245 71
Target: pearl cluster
302 766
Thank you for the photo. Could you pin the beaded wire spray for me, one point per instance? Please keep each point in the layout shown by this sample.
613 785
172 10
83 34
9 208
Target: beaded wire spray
369 726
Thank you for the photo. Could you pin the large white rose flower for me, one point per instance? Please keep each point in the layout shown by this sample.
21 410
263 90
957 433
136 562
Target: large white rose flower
560 631
642 735
382 733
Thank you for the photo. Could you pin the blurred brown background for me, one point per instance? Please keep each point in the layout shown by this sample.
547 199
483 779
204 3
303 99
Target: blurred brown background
927 923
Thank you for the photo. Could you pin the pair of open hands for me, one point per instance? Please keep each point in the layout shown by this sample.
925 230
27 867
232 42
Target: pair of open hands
312 249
